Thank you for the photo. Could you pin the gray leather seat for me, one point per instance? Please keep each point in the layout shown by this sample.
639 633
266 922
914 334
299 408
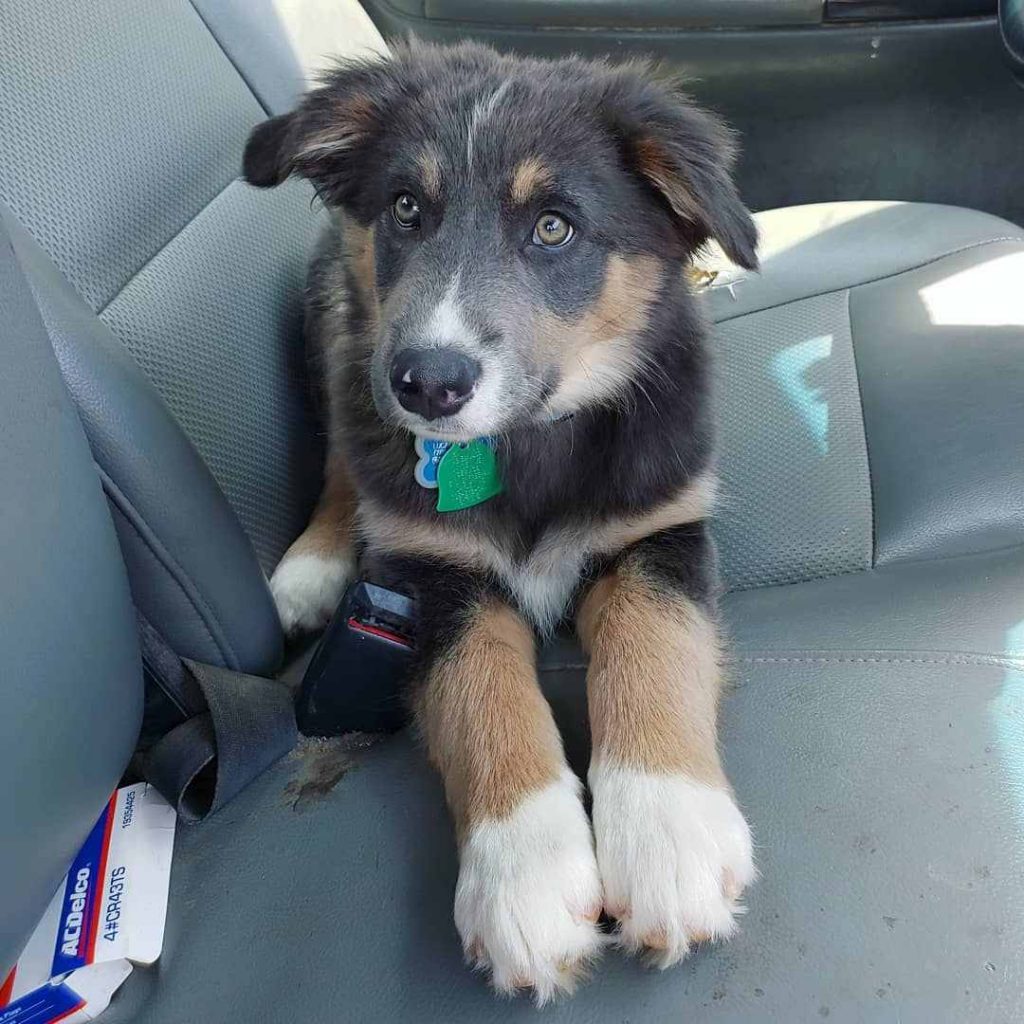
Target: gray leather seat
872 534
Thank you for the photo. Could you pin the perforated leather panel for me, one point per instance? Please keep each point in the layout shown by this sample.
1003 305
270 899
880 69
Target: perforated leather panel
120 146
209 320
118 122
796 492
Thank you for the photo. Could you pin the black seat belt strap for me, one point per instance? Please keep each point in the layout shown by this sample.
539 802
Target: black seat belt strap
235 727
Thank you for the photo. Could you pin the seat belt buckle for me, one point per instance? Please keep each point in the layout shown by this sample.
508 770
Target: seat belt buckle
356 680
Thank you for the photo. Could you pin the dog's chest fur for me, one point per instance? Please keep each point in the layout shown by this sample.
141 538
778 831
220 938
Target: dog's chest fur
576 492
545 580
540 563
541 580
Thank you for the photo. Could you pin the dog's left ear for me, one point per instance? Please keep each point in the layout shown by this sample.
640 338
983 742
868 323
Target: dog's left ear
686 154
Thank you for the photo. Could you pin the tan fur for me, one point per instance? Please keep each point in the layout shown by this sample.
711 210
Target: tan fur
430 170
330 529
390 532
529 178
630 285
393 532
597 353
654 164
359 249
691 504
488 728
654 678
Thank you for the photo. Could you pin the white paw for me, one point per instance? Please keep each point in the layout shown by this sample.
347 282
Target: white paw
674 856
307 589
529 895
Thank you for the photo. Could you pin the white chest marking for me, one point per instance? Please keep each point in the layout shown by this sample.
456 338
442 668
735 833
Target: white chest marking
544 584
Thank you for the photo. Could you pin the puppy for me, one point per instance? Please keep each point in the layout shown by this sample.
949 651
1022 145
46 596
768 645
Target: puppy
503 285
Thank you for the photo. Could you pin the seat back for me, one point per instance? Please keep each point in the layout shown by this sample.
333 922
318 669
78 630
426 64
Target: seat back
170 294
173 291
70 677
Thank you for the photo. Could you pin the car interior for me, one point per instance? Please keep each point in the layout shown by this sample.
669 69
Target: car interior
160 450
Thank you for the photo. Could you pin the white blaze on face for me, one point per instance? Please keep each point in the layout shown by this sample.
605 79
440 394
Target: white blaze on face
446 325
483 110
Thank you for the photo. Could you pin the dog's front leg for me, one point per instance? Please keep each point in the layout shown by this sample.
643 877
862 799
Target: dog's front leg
310 579
528 894
673 848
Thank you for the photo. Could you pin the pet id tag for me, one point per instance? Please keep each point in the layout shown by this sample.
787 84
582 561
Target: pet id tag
430 454
464 475
467 475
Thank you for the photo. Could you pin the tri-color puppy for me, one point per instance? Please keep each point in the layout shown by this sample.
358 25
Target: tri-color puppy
506 270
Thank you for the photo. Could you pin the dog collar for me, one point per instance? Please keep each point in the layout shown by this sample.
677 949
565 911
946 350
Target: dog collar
463 474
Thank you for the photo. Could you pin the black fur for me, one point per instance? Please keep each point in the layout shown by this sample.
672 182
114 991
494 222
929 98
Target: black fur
597 127
445 598
678 561
562 107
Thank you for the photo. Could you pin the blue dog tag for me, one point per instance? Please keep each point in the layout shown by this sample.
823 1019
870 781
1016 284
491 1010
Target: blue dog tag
430 454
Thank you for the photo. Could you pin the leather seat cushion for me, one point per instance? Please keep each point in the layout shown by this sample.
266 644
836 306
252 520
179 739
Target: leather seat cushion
873 732
882 781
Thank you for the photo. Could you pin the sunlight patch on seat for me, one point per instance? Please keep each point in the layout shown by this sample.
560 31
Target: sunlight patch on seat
1008 719
990 294
791 367
319 31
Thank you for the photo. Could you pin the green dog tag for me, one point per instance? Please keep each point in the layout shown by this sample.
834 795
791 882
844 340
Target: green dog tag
466 476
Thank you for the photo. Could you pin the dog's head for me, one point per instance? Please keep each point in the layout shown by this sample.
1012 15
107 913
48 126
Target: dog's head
510 223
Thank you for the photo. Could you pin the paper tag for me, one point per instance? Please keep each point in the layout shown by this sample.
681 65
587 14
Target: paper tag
82 995
111 906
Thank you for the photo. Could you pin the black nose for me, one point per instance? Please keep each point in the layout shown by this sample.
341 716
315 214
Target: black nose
433 382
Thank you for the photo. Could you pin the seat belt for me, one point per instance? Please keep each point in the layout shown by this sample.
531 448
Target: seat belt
230 727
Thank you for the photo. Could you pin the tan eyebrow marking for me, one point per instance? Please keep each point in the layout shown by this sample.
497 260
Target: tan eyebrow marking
430 168
529 178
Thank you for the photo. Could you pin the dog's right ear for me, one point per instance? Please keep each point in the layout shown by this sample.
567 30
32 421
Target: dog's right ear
329 137
266 162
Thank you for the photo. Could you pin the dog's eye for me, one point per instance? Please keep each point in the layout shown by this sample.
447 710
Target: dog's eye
551 229
407 211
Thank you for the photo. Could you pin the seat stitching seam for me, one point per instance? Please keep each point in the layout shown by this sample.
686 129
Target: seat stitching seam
128 519
795 582
978 660
227 56
966 660
863 427
871 280
266 110
160 248
1010 548
206 615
